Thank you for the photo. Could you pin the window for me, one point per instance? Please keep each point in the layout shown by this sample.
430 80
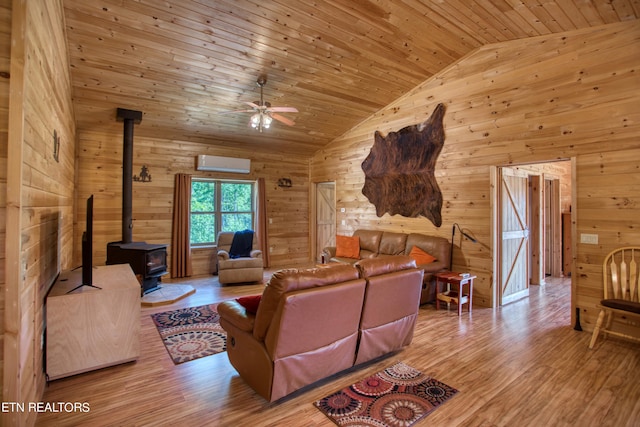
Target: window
220 206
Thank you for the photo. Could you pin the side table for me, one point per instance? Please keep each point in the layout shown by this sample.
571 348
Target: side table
454 291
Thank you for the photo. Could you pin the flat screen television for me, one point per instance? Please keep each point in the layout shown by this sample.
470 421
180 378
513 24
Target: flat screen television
87 245
87 249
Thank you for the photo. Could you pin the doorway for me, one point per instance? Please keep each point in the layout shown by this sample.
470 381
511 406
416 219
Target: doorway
325 217
529 203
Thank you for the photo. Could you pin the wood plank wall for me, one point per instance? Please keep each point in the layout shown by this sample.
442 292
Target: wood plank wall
100 173
535 100
5 63
538 100
43 243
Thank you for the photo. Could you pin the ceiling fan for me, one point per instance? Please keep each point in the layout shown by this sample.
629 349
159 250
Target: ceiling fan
263 112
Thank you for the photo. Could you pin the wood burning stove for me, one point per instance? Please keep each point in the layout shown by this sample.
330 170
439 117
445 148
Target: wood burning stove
148 261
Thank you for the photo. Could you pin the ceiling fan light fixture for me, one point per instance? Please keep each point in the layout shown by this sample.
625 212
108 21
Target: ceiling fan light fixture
255 120
263 113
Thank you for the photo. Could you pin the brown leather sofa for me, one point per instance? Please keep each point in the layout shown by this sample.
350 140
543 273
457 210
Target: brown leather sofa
313 323
376 243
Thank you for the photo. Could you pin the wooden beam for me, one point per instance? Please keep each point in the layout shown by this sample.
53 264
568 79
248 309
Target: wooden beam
12 382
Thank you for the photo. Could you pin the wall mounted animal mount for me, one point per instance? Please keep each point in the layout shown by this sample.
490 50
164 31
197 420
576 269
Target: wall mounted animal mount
399 170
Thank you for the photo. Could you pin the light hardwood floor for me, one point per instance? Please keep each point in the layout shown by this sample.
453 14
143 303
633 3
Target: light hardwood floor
521 365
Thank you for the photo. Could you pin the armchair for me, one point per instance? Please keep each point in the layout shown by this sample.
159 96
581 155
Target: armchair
238 270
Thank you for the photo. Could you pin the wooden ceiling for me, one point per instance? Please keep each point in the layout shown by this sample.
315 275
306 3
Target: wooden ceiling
183 62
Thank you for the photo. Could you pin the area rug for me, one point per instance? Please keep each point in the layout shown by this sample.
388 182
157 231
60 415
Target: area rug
191 333
397 396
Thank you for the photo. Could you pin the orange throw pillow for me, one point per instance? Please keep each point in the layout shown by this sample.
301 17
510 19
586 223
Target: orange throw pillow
348 247
421 256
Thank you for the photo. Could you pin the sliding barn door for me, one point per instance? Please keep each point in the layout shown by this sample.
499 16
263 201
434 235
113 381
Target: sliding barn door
325 216
514 235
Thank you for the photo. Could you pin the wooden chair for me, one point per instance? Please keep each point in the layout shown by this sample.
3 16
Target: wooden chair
621 291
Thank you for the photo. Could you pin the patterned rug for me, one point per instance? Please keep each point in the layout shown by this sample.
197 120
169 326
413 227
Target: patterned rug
191 333
397 396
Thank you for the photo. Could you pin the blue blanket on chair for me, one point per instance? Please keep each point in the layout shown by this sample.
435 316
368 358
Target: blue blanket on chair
242 244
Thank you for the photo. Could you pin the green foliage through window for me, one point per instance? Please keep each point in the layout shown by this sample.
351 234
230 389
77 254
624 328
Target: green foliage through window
220 206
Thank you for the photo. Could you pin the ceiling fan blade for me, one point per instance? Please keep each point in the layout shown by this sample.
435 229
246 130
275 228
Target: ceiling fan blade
283 119
236 111
283 109
253 105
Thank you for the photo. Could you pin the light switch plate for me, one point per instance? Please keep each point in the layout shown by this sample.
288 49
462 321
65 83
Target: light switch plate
591 239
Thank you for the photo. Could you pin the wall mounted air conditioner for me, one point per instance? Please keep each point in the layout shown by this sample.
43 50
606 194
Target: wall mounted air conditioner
223 164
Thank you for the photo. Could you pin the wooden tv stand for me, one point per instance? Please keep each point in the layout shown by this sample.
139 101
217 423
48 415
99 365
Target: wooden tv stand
92 328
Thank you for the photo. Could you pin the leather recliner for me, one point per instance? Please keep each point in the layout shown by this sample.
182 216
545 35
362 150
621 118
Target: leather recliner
305 328
313 323
238 270
390 308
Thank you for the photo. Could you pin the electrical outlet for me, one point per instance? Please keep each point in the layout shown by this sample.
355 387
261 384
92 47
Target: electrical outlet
590 239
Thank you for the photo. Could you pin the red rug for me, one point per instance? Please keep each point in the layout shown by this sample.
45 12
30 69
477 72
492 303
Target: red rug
191 333
397 396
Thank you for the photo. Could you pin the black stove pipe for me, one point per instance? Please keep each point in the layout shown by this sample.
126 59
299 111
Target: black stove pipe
130 117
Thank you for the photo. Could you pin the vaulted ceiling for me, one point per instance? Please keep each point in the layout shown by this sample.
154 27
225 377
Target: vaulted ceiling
184 62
